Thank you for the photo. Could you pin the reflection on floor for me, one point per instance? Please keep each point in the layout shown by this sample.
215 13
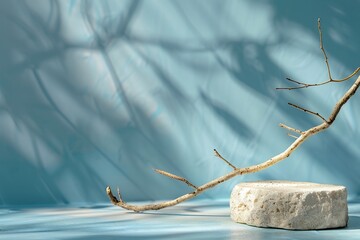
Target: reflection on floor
192 220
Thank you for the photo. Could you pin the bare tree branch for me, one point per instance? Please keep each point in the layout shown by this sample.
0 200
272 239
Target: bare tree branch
304 135
306 85
303 85
173 176
251 169
308 111
343 100
330 80
290 128
221 157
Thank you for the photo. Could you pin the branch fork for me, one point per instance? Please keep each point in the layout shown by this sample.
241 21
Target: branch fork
330 79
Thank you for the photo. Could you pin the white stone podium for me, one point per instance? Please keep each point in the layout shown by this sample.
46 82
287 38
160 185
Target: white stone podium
289 205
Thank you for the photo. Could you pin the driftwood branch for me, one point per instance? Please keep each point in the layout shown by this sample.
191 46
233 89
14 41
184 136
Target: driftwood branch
303 135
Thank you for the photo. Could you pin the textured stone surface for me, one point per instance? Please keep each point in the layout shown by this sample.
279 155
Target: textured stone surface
289 205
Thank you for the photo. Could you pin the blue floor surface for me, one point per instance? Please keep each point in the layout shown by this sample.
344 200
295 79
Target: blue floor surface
192 220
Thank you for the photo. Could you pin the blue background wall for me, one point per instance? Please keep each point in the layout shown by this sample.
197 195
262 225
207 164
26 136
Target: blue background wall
96 93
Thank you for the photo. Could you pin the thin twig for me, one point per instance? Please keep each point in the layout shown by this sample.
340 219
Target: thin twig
294 81
173 176
221 157
306 85
348 77
297 82
293 136
290 128
323 50
308 111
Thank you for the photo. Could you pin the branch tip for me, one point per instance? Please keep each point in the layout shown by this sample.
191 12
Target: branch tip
290 128
308 111
111 196
293 136
217 154
323 50
173 176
